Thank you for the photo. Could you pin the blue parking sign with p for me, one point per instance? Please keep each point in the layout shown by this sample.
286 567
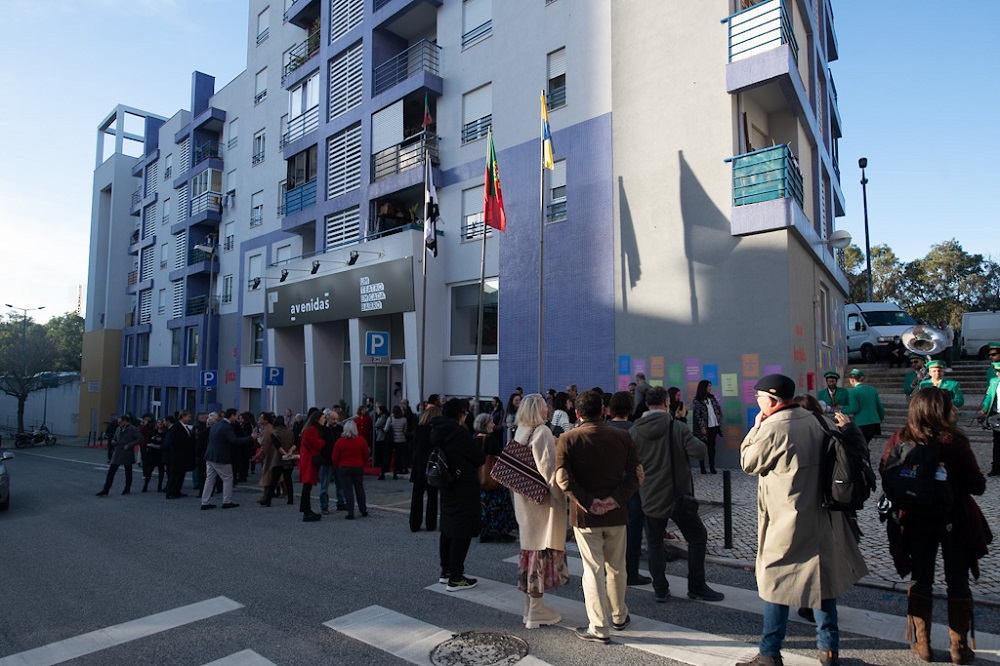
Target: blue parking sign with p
209 378
274 376
377 343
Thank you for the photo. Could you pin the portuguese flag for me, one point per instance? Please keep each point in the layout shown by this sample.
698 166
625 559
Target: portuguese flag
493 213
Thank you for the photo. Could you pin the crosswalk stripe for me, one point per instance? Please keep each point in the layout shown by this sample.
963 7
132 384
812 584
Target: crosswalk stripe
78 646
242 658
405 637
849 620
660 638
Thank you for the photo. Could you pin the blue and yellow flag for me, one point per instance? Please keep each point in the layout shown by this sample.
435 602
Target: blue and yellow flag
547 161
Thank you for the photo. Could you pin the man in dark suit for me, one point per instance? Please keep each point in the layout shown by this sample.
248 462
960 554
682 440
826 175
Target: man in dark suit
222 440
179 448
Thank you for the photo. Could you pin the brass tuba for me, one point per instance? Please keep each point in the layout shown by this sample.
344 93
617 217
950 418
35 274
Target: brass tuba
927 340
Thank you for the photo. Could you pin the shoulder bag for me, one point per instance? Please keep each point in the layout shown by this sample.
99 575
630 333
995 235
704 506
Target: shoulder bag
515 469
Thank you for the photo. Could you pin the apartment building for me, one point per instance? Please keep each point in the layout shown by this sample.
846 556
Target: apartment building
682 233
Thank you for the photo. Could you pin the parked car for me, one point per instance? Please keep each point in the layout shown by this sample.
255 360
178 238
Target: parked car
5 480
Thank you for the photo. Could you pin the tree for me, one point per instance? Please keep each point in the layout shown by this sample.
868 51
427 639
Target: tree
26 354
857 274
66 334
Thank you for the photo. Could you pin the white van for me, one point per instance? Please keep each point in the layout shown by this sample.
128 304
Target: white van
872 326
979 329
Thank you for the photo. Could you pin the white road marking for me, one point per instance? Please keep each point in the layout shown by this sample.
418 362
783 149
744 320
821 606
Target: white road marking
242 658
400 635
78 646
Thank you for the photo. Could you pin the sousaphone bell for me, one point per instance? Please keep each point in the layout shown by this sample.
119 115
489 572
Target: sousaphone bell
926 340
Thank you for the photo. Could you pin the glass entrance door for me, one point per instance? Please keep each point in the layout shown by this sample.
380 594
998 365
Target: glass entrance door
375 383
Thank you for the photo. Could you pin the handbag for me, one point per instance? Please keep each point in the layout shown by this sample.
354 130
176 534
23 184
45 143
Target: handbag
486 480
515 469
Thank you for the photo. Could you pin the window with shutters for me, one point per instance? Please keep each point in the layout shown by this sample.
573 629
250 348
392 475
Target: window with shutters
303 109
165 215
149 220
164 255
177 306
232 135
263 24
343 228
260 87
227 289
477 21
472 215
477 110
180 250
346 81
185 160
344 162
259 143
257 209
344 15
152 177
146 268
182 202
229 236
145 305
254 270
556 89
283 254
557 193
168 166
161 302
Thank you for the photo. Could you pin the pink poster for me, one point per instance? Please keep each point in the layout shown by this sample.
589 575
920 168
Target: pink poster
749 392
623 382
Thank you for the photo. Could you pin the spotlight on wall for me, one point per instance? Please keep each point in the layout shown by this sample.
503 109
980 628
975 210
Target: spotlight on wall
354 258
284 275
315 267
256 283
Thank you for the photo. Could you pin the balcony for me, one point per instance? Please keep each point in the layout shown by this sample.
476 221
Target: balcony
300 198
133 278
556 98
406 155
137 197
206 202
556 211
300 54
763 175
207 150
477 129
424 56
479 32
300 126
759 28
134 238
198 256
197 305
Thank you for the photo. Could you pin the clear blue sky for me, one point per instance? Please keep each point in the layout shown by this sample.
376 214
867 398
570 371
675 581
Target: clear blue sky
916 83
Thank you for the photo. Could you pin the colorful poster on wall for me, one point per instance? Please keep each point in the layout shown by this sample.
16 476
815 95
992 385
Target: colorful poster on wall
638 366
711 373
623 382
732 412
656 367
729 381
749 392
734 436
692 369
691 389
656 382
675 374
752 413
625 365
751 365
772 370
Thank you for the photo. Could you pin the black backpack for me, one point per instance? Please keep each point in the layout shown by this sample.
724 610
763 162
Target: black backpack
438 474
914 481
848 477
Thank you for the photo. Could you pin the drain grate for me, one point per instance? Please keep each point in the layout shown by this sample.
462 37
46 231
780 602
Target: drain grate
475 648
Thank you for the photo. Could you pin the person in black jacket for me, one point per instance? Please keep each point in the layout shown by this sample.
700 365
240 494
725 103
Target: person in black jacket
460 521
178 446
418 477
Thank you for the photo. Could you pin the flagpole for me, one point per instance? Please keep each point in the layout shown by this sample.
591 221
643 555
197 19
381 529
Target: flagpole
423 296
479 337
541 259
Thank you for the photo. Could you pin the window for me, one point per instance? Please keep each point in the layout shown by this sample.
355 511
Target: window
303 108
228 234
254 266
258 148
142 349
477 23
344 15
343 228
302 168
231 133
161 302
165 219
282 189
257 209
129 350
257 339
344 162
283 254
556 66
227 289
209 180
175 346
346 81
472 214
557 193
465 318
191 344
263 24
825 334
477 117
283 132
260 87
164 255
168 166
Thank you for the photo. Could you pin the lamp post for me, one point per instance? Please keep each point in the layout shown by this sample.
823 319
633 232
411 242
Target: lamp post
24 339
210 251
863 162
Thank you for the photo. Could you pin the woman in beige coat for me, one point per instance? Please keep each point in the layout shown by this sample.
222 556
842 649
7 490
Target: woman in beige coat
541 527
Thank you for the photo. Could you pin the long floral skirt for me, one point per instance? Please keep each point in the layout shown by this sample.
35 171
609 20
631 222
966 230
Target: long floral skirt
497 515
540 570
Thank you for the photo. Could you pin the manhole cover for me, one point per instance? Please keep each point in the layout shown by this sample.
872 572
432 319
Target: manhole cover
485 648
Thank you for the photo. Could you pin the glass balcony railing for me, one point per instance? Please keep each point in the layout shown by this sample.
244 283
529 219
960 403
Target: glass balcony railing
206 150
761 27
424 56
300 198
765 175
406 155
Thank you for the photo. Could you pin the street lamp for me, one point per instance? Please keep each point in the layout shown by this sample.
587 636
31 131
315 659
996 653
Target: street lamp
863 162
210 251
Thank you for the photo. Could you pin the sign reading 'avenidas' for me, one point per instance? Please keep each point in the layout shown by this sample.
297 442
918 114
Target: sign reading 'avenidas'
383 288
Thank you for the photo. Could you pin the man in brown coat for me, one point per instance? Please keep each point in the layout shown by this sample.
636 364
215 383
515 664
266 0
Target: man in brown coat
598 468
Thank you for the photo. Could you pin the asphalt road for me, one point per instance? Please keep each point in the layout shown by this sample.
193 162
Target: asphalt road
142 580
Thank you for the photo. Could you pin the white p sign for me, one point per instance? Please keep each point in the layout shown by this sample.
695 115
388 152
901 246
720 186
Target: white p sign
274 376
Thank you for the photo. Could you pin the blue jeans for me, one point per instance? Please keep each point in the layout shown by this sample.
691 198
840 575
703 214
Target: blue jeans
325 474
776 622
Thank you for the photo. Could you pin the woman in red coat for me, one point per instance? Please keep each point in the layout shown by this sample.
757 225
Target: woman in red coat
364 423
350 453
309 448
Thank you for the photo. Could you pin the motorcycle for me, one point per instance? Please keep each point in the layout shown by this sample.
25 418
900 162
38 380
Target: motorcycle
38 436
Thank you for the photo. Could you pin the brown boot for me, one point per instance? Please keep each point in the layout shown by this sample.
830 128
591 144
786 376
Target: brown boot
961 625
918 624
829 658
762 660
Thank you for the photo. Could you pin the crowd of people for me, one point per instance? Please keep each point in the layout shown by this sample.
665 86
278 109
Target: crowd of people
617 469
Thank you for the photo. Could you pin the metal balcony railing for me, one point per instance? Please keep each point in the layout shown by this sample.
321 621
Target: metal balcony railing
477 129
259 97
379 4
300 126
133 278
257 158
230 241
257 216
556 97
134 238
168 172
197 256
761 27
233 142
300 198
206 150
300 54
197 305
137 196
556 211
477 33
765 175
406 155
424 56
210 201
